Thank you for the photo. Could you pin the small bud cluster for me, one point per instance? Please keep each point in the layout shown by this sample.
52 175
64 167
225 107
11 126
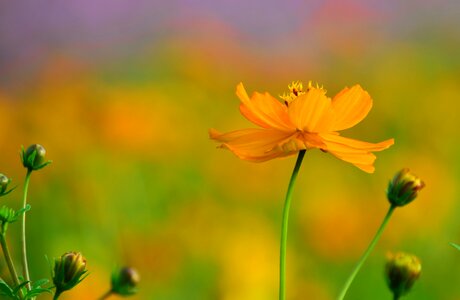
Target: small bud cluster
70 268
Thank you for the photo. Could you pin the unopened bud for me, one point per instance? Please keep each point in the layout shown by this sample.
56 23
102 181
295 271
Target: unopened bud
9 215
4 182
69 270
404 187
124 281
34 157
401 272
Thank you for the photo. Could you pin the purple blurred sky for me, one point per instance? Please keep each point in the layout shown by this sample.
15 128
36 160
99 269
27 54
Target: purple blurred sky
30 30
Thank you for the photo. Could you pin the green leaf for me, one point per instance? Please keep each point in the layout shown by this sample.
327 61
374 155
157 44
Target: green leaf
35 292
455 246
22 210
5 289
31 158
43 165
7 192
19 287
39 283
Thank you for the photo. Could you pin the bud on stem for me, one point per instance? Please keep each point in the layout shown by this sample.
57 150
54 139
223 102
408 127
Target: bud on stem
34 157
69 270
4 182
401 272
404 188
124 281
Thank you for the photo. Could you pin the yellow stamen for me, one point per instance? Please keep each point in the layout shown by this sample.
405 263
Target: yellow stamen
296 89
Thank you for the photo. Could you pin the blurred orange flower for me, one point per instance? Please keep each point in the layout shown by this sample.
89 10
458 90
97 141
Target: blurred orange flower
307 119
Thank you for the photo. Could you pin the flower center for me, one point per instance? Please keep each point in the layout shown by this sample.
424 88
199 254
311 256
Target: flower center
296 89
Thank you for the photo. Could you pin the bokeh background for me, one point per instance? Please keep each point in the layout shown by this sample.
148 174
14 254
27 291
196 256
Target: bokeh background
122 94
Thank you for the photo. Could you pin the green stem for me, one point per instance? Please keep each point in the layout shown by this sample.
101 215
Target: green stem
9 261
106 295
395 297
366 253
57 294
25 267
284 226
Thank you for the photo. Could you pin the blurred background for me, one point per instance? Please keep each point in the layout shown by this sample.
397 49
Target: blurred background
122 94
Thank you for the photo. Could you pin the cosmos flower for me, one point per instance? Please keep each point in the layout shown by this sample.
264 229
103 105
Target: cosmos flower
304 119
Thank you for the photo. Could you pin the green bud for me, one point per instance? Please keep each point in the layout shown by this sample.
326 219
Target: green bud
9 215
404 187
4 182
124 281
34 157
401 272
69 270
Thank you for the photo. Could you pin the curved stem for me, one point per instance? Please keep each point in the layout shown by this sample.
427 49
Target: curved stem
25 267
284 226
9 261
106 295
366 253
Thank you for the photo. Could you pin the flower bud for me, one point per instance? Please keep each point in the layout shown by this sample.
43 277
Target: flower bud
4 182
404 187
124 281
401 272
7 215
34 157
68 271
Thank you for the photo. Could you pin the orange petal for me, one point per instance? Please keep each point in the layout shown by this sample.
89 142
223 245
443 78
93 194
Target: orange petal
258 144
364 161
311 111
353 151
263 110
351 106
346 143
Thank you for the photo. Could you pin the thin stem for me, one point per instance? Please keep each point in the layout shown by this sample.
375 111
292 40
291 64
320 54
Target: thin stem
106 295
284 226
25 267
9 261
57 294
395 297
366 253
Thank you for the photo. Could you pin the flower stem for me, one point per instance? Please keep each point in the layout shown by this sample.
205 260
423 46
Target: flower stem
25 267
56 295
396 297
284 226
366 253
106 295
9 261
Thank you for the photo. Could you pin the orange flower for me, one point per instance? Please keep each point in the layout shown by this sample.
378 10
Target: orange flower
307 119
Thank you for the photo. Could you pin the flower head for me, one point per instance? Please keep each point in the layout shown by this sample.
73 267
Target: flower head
307 119
404 187
4 182
401 272
69 270
125 281
34 157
